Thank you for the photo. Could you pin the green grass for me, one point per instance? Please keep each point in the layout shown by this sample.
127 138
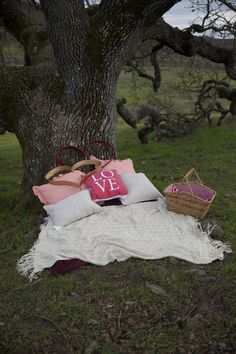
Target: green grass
11 169
110 309
13 54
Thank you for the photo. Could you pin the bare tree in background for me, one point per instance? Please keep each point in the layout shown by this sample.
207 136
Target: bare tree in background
214 18
66 92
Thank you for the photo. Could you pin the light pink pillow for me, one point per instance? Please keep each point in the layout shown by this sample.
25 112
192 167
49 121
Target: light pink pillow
106 185
121 166
51 194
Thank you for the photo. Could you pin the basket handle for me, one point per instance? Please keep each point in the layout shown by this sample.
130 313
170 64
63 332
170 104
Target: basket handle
57 170
82 163
190 174
96 163
76 166
64 183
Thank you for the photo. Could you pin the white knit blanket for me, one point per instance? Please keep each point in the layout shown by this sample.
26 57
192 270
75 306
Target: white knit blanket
143 230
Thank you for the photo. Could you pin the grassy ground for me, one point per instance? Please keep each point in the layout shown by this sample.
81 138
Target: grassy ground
178 91
13 54
120 308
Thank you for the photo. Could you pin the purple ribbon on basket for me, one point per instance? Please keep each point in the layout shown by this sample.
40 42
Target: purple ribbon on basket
198 190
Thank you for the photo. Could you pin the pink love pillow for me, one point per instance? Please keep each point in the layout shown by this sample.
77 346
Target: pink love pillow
51 194
121 166
105 185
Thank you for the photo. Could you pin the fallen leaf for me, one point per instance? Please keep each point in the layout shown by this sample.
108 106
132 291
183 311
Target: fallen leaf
155 289
204 307
93 322
130 302
194 321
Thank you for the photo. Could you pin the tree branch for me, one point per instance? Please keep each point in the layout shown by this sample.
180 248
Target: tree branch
156 81
186 44
201 29
204 108
155 64
21 26
87 3
15 21
124 113
146 10
229 4
121 20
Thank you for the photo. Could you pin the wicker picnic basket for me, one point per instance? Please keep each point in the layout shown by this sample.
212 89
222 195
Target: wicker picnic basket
190 197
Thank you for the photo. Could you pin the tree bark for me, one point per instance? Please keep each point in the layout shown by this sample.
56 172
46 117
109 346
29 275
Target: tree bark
43 121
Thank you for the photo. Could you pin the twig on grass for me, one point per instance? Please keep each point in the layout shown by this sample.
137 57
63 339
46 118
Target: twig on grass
188 313
119 323
182 321
56 325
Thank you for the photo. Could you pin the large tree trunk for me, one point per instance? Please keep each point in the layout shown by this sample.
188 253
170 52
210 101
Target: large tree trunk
48 121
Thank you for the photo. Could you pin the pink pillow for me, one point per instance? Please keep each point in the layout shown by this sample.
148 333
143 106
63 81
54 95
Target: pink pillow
51 194
106 185
121 166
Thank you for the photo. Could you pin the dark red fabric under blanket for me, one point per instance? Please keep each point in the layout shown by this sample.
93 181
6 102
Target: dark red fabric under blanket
67 265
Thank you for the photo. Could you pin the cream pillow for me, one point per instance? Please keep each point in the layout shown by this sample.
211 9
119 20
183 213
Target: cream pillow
72 208
139 188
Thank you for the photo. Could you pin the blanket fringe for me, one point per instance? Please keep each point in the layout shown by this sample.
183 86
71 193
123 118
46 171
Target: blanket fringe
216 244
25 265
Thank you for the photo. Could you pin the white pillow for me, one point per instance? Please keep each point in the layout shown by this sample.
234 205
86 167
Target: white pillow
72 208
139 188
